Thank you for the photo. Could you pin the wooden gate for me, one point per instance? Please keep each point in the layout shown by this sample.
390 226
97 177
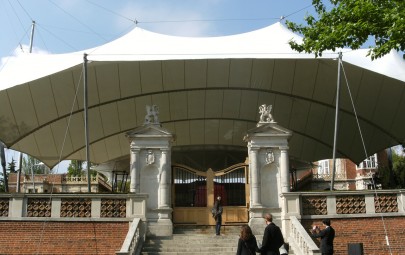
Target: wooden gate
194 192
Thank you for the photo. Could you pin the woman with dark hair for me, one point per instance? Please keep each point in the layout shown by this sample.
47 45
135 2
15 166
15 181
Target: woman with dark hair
247 244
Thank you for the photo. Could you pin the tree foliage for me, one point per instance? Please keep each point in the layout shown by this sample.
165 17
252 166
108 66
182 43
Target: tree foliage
75 168
350 23
398 167
393 178
12 168
30 164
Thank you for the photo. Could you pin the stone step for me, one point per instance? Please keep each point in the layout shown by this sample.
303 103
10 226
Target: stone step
199 244
216 243
191 248
198 240
187 253
205 229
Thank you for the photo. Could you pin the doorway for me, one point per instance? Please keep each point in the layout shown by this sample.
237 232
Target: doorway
194 192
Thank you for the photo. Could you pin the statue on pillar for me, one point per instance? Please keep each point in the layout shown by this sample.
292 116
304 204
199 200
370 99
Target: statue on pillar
265 114
152 115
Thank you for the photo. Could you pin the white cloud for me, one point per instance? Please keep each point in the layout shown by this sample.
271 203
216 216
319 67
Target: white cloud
19 51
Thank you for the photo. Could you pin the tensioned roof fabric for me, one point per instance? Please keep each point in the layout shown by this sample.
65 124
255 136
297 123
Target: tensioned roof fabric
208 91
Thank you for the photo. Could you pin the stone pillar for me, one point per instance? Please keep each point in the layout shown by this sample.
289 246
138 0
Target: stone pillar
151 172
269 169
164 181
255 178
134 171
284 170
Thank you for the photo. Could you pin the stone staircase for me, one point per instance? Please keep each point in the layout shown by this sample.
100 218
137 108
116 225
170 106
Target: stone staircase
200 240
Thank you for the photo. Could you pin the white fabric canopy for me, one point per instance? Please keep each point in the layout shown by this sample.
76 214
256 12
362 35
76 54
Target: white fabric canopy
208 91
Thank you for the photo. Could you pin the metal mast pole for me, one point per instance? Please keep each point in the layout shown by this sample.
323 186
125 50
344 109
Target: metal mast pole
32 35
21 154
336 122
86 119
3 164
19 173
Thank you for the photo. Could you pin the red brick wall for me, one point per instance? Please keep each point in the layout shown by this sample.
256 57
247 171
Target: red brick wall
350 169
24 237
369 231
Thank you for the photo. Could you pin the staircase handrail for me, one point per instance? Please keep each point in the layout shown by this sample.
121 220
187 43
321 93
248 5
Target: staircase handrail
134 240
299 239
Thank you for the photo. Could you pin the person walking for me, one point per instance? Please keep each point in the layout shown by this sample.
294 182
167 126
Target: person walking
272 239
247 244
327 235
217 214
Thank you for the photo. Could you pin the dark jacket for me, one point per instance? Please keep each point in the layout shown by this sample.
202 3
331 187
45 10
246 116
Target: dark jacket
272 239
327 235
217 213
245 246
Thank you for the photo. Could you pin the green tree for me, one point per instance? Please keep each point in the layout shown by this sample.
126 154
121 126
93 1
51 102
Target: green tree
30 164
12 168
394 178
350 23
398 167
75 168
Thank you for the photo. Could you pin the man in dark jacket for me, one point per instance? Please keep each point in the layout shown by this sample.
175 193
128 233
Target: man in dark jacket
327 235
217 214
272 239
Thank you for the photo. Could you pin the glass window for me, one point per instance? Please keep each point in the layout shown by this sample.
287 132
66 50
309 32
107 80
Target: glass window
369 163
323 166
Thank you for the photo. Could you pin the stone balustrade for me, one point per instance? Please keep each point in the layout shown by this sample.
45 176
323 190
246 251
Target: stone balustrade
134 239
342 204
335 204
80 179
328 177
67 206
299 240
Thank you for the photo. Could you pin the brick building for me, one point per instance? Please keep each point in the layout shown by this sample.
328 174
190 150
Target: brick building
56 183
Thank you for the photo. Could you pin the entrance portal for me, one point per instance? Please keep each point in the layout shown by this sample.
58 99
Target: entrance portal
194 192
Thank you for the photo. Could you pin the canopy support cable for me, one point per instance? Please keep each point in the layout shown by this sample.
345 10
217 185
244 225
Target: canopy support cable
365 152
69 121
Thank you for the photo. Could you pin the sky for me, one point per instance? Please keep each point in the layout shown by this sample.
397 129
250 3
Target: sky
63 26
71 25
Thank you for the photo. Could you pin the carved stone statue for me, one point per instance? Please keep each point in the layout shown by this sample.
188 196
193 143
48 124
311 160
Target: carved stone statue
152 115
150 157
265 114
269 156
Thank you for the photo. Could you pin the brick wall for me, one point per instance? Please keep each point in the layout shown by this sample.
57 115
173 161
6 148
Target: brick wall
25 237
369 231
